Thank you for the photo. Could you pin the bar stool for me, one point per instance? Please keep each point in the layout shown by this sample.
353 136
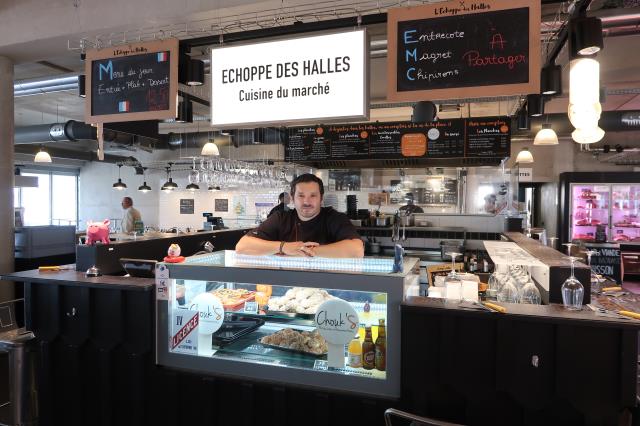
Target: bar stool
415 420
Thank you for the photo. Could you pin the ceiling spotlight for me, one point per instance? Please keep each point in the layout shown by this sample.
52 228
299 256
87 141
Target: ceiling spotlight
546 136
535 105
524 156
619 148
42 156
523 119
144 188
551 80
210 149
585 36
185 112
119 185
81 86
195 72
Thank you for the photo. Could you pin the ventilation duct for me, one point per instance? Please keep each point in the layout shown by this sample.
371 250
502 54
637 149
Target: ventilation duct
57 132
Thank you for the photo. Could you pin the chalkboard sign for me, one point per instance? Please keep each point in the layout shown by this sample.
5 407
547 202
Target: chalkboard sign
488 137
221 204
462 49
606 261
187 206
132 82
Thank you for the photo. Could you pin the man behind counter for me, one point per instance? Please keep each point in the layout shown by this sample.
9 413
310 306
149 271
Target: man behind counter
308 230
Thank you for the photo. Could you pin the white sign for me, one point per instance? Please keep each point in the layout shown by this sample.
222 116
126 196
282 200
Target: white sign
162 282
337 322
184 331
307 79
525 175
211 312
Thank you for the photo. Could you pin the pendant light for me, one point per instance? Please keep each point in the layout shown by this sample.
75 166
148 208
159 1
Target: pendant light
524 156
585 36
42 156
192 187
169 185
551 80
119 185
210 149
195 72
587 135
535 105
185 112
144 188
213 188
523 119
546 136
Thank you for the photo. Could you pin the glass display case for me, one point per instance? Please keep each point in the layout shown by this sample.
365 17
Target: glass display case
258 317
612 208
625 203
590 212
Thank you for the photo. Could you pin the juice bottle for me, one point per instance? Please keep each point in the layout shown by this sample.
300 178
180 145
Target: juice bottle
381 347
368 351
355 353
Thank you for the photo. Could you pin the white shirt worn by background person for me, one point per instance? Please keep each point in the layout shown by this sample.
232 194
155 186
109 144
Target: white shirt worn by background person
129 219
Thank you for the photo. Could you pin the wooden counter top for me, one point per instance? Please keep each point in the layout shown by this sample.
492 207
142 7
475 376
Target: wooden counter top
79 278
544 313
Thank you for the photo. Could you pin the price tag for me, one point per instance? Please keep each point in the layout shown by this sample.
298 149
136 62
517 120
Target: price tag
320 364
251 307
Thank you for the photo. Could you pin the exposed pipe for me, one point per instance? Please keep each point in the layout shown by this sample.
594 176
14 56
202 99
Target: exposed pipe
57 132
610 121
78 155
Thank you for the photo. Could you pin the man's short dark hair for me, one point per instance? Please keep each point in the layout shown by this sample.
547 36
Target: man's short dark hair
281 196
307 177
128 200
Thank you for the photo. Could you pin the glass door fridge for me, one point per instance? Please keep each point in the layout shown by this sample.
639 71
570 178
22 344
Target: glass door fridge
625 226
589 219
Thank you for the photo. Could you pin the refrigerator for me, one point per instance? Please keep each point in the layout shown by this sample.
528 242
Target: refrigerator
601 211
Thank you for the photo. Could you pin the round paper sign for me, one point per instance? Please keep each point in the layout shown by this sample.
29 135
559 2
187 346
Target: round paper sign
433 134
337 321
211 312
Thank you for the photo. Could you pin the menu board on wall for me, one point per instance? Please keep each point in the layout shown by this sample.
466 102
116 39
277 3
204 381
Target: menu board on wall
187 206
221 204
132 82
463 49
488 137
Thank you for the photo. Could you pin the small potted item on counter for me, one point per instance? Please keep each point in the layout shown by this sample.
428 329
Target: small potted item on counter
173 254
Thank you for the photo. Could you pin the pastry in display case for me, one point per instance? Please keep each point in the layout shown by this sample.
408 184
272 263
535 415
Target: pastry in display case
275 318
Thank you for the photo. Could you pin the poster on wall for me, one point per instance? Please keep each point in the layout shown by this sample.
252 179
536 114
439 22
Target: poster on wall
132 82
221 205
239 205
306 79
463 48
187 206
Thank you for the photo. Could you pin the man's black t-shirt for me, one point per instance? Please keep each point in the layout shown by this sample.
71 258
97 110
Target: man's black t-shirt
328 227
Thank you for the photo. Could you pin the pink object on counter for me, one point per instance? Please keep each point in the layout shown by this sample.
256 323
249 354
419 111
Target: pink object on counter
97 231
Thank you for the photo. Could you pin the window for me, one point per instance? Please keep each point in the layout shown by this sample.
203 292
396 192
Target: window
53 202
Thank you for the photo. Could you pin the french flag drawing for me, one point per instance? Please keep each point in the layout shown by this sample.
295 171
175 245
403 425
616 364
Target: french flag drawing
123 106
163 56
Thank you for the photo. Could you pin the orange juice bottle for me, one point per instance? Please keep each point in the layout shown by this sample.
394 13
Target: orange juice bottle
355 353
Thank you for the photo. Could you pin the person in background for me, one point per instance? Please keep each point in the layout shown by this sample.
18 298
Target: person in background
490 204
308 230
131 216
284 199
410 208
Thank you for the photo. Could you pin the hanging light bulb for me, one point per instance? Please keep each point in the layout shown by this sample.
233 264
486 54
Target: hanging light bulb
210 149
119 185
587 135
524 156
42 156
144 188
546 136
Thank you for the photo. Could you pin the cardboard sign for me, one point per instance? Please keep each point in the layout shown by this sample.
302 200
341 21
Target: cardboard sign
210 310
184 334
